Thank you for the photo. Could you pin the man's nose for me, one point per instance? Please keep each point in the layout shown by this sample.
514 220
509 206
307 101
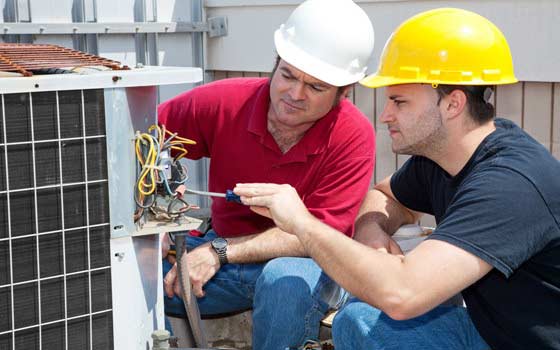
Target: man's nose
297 91
386 115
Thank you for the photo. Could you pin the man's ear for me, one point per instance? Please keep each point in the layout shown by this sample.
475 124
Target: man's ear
344 93
455 103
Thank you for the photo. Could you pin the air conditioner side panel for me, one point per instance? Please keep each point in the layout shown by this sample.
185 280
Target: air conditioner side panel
135 261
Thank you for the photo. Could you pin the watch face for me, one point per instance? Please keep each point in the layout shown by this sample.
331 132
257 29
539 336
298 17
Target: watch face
219 243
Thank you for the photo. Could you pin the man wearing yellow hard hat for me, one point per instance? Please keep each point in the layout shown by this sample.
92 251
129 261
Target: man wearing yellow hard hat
494 191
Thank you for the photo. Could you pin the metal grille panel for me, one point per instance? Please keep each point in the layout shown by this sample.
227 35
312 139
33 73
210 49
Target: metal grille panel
55 276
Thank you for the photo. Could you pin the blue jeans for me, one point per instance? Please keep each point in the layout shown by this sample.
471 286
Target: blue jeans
289 297
361 326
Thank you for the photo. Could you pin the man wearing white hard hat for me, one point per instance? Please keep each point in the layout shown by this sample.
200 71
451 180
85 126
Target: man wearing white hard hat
296 127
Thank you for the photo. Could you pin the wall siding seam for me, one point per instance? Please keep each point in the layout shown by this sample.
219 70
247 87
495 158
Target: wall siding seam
523 105
552 88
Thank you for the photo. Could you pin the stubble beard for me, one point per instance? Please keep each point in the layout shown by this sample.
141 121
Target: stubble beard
428 138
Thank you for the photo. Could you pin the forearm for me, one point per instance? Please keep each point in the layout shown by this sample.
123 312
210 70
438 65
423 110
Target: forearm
380 211
402 286
364 272
272 243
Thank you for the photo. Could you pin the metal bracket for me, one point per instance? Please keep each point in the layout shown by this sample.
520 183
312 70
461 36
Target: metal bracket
218 26
184 223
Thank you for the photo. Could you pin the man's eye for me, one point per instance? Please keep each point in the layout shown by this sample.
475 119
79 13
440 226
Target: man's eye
317 88
287 77
398 102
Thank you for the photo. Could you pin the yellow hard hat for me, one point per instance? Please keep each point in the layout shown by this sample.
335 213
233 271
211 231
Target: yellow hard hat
445 46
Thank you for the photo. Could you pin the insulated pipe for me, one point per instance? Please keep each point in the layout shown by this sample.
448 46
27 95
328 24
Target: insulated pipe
189 299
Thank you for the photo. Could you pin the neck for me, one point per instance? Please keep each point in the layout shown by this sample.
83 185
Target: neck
460 146
286 136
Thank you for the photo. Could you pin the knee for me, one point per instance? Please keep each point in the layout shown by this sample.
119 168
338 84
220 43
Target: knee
347 319
281 276
354 325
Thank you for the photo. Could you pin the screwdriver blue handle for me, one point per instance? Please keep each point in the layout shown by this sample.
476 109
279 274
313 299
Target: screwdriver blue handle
232 197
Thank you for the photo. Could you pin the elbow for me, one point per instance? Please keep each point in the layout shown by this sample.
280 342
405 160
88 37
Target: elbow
399 305
400 313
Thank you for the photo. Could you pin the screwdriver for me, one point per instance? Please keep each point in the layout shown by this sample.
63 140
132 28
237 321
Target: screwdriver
229 195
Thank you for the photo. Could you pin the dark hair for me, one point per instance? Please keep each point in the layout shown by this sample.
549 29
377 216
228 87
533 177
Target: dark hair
480 109
339 90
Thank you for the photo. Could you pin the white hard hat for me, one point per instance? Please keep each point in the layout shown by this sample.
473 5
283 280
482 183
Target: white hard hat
332 40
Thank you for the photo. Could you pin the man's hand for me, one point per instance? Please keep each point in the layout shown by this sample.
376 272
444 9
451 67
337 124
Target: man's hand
378 239
203 264
165 242
281 203
170 281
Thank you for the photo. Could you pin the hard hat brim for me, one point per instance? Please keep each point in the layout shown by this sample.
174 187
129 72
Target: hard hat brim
312 66
376 81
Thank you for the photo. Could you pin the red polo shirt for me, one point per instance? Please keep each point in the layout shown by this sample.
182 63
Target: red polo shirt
330 167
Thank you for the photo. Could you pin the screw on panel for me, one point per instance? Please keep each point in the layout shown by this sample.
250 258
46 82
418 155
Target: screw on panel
119 256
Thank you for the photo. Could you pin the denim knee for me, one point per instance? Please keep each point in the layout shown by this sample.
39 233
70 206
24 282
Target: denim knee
361 326
295 276
279 279
285 301
353 325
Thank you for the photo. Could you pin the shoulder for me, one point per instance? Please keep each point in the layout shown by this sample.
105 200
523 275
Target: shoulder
493 178
512 155
494 189
217 97
234 84
229 89
499 215
222 91
351 126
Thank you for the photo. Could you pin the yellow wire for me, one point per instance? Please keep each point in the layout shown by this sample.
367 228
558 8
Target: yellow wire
184 140
183 151
147 165
148 175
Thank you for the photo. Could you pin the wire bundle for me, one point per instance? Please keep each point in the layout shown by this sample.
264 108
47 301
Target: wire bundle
160 173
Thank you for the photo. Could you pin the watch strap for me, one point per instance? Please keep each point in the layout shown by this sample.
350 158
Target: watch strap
222 256
221 250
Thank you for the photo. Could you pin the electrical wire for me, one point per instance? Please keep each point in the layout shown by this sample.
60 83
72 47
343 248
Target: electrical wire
158 152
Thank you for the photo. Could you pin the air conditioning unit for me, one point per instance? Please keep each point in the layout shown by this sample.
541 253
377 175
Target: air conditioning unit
75 273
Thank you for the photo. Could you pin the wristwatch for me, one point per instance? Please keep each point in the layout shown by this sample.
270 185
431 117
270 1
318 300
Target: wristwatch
220 247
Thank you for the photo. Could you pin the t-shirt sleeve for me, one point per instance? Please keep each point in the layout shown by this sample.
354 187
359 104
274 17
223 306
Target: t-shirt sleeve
409 186
499 216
